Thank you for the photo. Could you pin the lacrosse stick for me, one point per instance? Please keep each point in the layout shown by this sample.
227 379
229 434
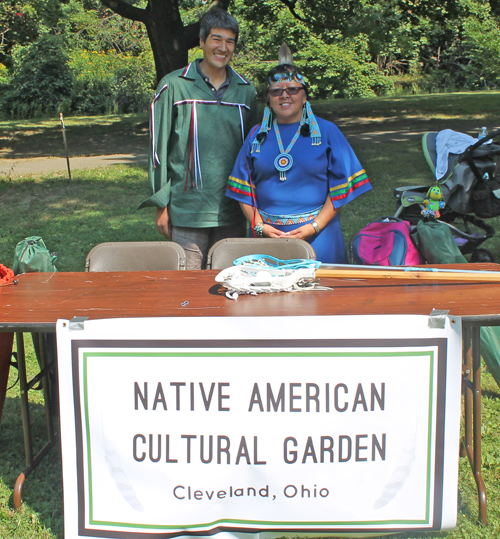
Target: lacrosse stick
267 261
256 274
257 280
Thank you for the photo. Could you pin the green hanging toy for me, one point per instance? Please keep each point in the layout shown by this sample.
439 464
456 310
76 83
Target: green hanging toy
433 202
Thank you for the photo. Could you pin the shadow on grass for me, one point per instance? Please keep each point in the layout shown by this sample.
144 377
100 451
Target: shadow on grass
491 394
85 136
42 490
382 119
393 129
460 105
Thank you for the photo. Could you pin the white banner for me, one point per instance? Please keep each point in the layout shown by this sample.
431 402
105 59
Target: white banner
292 425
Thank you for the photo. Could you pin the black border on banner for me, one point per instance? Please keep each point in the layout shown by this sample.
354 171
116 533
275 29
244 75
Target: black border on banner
440 343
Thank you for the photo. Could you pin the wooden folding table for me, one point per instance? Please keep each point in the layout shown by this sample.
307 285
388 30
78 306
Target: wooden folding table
38 300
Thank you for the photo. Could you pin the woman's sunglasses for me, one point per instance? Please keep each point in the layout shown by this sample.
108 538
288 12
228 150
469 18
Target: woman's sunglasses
293 90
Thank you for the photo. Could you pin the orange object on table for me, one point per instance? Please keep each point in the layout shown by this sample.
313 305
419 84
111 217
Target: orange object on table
6 339
6 274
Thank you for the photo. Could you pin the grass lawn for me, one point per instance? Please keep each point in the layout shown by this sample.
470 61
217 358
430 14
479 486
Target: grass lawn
100 205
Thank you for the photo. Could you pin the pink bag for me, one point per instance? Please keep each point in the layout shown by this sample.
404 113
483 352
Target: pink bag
385 242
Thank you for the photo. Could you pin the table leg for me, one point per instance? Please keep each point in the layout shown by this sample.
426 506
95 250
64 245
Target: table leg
6 340
24 389
471 443
25 386
49 391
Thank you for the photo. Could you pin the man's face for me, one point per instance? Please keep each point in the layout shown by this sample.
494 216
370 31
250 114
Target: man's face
218 48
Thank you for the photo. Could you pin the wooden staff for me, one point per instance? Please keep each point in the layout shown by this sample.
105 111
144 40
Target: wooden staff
414 274
65 143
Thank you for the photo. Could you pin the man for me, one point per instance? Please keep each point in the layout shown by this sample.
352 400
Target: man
199 118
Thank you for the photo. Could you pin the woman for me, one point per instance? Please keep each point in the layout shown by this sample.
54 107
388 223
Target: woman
294 173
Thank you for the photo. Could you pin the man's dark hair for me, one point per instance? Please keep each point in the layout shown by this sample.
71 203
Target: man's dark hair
218 18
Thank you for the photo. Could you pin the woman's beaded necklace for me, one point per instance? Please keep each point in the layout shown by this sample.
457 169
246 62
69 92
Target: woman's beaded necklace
284 161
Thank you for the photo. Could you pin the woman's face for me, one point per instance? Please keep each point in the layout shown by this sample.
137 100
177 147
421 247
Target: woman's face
288 108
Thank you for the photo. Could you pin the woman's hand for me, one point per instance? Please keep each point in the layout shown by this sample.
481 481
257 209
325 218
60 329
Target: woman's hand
326 214
268 231
301 233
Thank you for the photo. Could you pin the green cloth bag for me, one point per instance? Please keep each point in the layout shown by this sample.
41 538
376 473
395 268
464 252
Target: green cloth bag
32 255
436 244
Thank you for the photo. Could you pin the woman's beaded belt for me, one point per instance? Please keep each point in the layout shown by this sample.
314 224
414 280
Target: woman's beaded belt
294 219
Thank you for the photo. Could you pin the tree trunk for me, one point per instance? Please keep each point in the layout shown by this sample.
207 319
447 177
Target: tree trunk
170 39
168 36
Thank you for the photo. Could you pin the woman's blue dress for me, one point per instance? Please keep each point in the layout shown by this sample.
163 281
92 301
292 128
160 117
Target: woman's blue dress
330 168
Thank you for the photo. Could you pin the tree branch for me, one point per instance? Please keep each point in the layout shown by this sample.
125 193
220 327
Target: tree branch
126 10
222 4
290 4
192 34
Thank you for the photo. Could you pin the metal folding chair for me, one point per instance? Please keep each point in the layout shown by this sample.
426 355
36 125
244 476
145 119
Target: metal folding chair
224 252
136 256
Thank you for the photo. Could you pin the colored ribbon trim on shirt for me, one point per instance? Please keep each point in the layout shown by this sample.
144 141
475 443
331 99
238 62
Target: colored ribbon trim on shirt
354 182
156 160
194 164
239 186
194 152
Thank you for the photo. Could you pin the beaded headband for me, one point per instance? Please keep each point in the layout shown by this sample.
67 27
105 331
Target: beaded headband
287 76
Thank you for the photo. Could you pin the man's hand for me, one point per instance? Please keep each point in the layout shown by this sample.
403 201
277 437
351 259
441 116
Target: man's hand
162 223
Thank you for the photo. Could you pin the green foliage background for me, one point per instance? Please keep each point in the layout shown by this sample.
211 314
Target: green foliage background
75 56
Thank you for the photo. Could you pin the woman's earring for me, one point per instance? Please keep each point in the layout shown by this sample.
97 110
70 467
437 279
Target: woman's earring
313 124
304 119
264 128
267 119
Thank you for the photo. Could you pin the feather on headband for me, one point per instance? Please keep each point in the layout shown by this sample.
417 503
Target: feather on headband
288 73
